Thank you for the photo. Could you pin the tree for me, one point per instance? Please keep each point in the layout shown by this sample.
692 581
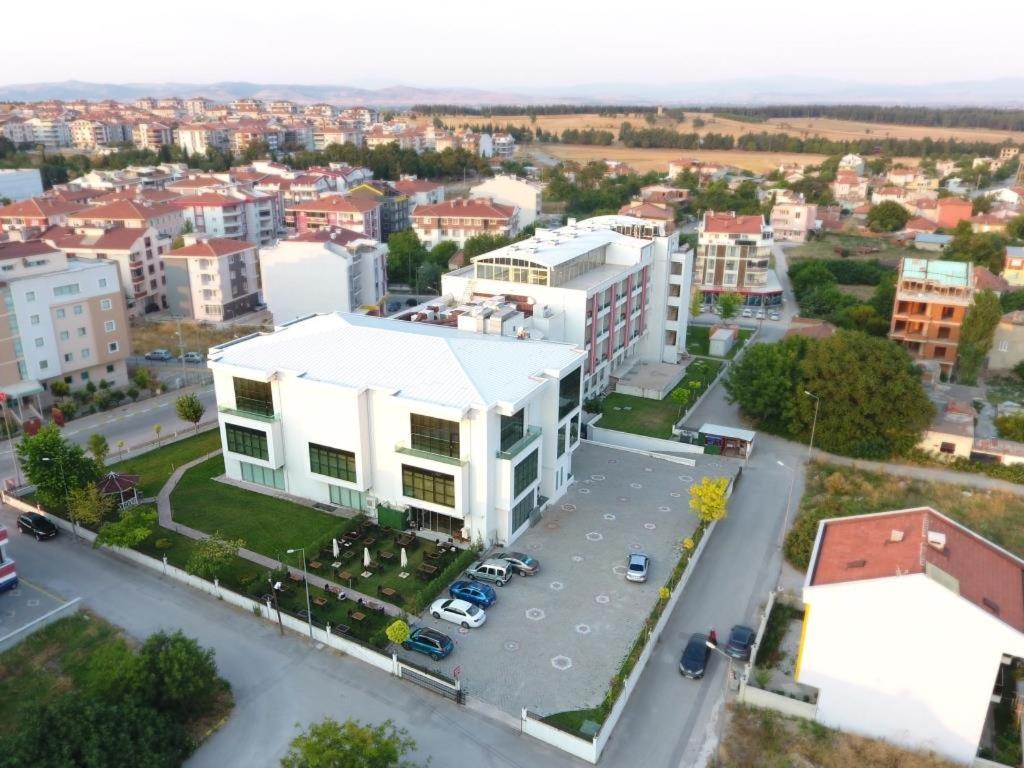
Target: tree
707 498
144 379
88 507
157 429
190 408
1015 228
98 447
680 395
765 381
176 675
1011 426
397 632
976 335
986 249
729 304
428 277
211 556
405 254
888 217
696 301
485 243
330 744
981 204
59 389
134 526
442 253
55 466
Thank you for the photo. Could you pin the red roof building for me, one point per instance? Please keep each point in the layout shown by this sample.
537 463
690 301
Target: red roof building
39 212
356 213
165 218
460 219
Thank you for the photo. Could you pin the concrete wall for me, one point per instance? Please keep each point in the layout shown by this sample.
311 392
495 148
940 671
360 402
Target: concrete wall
640 442
767 700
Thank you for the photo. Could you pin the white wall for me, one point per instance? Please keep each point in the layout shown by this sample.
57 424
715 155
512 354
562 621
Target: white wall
509 190
903 659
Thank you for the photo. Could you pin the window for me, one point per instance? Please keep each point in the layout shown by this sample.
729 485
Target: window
574 431
60 314
947 448
332 462
346 497
65 335
84 376
39 342
71 289
561 439
271 478
106 304
425 485
110 368
34 319
568 394
254 397
69 356
512 429
86 354
109 326
432 435
247 441
78 309
30 295
82 331
112 347
521 511
525 473
103 282
43 365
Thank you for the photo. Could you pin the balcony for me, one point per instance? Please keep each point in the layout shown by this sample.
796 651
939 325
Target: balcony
530 435
266 418
405 448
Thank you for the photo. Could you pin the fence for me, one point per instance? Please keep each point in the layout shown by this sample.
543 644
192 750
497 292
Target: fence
13 638
449 689
639 442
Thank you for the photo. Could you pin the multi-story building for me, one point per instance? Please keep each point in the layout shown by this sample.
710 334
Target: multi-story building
233 214
61 319
17 130
1013 266
247 107
51 132
355 213
281 107
460 219
326 135
932 299
152 135
196 138
458 433
37 212
88 134
733 254
245 133
20 183
850 188
326 270
792 218
420 191
504 146
512 191
395 206
212 279
197 106
165 218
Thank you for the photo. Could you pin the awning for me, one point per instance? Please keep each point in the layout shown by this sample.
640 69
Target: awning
21 389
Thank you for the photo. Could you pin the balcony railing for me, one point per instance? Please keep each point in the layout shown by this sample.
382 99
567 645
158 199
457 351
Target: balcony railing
264 417
405 448
530 435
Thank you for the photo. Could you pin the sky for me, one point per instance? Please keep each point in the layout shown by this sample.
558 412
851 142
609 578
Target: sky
493 45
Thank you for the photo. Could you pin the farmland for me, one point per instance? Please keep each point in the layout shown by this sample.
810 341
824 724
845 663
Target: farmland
645 160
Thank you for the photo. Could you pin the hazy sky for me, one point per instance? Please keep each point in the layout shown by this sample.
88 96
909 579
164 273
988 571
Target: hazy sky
525 43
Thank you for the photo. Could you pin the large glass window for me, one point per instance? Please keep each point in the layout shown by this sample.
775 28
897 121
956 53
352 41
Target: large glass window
254 397
574 431
425 485
272 478
521 511
332 462
434 435
512 429
525 473
346 497
246 441
568 394
561 439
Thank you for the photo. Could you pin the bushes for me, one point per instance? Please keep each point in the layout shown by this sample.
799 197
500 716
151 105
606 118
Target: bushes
422 597
778 622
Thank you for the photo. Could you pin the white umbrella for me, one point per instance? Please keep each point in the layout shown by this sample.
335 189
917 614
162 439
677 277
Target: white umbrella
334 548
405 559
366 557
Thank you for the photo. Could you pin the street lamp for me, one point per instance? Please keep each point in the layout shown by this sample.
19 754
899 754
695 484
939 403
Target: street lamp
275 587
814 425
305 581
731 674
64 481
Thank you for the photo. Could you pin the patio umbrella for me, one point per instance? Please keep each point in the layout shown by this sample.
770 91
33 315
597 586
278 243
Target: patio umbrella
334 548
405 559
366 557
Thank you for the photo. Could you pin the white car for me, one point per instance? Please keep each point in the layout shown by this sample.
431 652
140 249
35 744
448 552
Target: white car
748 313
760 314
458 612
774 316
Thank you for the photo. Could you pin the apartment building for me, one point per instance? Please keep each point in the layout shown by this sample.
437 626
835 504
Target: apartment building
212 279
51 132
152 135
61 319
196 138
37 212
233 214
324 270
395 206
165 218
512 191
792 218
355 213
503 146
460 219
420 191
953 210
462 433
197 106
932 299
324 136
1013 266
733 254
850 188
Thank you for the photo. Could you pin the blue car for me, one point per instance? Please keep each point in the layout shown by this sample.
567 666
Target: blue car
435 644
474 592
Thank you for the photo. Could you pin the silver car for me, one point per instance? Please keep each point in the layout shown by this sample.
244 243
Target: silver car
637 565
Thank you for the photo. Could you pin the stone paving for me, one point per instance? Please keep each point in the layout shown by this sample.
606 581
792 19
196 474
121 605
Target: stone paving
553 641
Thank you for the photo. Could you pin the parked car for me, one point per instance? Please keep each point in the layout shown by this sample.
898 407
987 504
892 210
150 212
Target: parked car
637 565
760 314
37 525
191 357
159 354
695 657
521 563
774 316
493 570
741 640
394 306
458 612
474 592
747 313
427 640
411 302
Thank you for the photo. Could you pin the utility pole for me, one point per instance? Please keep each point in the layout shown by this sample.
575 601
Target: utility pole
181 351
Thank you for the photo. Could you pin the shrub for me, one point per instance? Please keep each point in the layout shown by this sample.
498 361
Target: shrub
163 544
174 674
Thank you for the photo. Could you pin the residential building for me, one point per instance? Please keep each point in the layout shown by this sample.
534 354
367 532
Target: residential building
932 299
420 191
890 600
662 213
212 279
459 433
953 210
196 138
17 130
462 218
326 135
38 213
52 133
512 191
1007 342
233 214
988 222
854 163
355 213
504 146
932 242
792 218
197 106
986 280
733 254
324 270
395 206
662 193
1013 266
61 319
165 218
951 433
850 188
152 135
20 183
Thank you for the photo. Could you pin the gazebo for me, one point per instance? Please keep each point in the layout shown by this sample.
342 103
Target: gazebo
121 487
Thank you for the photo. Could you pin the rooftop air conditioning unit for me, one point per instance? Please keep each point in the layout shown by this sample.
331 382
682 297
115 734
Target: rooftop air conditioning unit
937 540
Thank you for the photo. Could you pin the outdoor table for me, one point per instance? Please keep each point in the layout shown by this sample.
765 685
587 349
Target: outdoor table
352 536
340 629
406 539
315 565
296 578
369 541
426 569
345 576
321 601
434 555
388 592
386 555
357 616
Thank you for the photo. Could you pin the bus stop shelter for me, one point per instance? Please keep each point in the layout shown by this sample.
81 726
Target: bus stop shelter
727 441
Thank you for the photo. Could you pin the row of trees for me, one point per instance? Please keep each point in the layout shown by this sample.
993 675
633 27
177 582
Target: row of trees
390 161
816 286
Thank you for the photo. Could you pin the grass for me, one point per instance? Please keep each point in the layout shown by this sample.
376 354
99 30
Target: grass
824 248
653 418
155 467
698 340
759 737
1000 389
782 615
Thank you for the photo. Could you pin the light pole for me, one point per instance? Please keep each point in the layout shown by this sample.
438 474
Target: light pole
814 424
181 352
789 500
305 581
64 481
274 589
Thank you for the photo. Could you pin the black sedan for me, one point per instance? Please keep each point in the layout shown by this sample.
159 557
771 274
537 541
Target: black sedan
37 525
741 639
695 657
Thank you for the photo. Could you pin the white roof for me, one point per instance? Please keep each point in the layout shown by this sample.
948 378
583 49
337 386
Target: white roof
551 247
419 361
733 432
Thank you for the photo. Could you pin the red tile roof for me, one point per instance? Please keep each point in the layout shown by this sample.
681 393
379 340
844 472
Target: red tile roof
113 239
124 209
40 207
197 182
920 224
338 235
985 280
140 195
17 249
646 211
866 547
213 247
730 223
953 202
336 203
412 186
469 208
207 200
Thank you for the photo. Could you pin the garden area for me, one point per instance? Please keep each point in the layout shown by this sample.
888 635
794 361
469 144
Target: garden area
156 467
698 341
655 418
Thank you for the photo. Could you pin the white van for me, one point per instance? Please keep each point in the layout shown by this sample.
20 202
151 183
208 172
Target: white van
497 571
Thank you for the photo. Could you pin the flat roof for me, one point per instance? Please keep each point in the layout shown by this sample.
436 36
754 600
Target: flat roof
733 432
551 247
955 274
935 239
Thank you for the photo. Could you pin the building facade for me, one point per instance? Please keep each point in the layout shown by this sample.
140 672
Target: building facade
356 214
733 255
793 219
213 279
460 219
512 191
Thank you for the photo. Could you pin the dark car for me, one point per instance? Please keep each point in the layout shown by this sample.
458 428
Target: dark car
435 644
411 302
741 640
474 592
521 563
394 306
695 657
37 525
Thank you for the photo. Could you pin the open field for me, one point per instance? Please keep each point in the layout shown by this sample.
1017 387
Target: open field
645 160
824 248
198 337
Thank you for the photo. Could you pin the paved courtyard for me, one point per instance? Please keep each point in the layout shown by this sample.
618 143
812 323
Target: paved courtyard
553 641
22 606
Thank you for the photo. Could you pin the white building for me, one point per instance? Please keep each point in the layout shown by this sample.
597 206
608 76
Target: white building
463 218
20 183
910 622
234 214
326 270
853 163
212 279
504 146
513 191
615 286
52 133
462 431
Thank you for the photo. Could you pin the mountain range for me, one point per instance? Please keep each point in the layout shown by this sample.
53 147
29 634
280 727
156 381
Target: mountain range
1002 93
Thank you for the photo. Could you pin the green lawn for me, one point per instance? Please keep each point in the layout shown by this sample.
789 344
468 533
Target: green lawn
698 341
155 467
825 249
653 418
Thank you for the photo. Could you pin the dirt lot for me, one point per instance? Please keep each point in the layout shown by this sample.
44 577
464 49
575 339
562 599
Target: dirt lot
890 255
198 337
657 159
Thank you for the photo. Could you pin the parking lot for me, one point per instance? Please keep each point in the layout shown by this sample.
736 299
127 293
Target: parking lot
553 641
22 606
